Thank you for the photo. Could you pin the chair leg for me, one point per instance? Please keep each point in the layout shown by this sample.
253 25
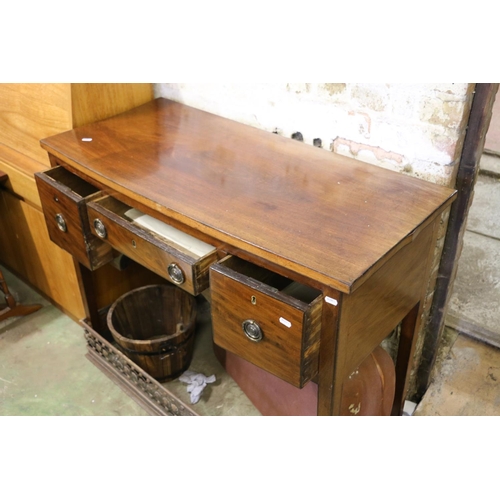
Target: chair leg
12 308
18 310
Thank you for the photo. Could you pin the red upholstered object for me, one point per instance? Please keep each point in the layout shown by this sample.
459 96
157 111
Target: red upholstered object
369 391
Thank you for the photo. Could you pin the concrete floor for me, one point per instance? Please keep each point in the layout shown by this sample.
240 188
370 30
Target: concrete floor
44 371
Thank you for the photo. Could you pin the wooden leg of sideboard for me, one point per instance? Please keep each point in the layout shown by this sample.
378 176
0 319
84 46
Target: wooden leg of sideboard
410 329
404 362
86 283
329 381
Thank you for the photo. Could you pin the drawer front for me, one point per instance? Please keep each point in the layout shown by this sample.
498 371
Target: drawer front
245 309
187 271
64 197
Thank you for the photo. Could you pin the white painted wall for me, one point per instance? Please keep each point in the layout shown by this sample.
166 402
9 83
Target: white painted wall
410 128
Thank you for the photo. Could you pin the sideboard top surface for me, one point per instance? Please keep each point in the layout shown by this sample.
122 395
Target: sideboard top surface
328 217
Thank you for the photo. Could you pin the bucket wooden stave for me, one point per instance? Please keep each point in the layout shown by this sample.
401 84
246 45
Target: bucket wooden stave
154 326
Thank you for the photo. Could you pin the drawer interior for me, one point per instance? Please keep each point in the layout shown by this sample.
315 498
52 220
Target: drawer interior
267 319
79 186
258 275
158 229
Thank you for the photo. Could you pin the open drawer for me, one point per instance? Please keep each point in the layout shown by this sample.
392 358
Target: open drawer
64 197
266 319
176 256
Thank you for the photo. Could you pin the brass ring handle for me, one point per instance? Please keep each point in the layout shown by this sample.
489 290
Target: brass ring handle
176 274
252 330
100 229
61 223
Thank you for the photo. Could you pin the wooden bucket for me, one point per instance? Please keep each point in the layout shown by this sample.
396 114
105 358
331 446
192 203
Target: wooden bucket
154 326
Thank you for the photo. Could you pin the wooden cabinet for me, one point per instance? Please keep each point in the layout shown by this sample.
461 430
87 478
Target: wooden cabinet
316 257
28 113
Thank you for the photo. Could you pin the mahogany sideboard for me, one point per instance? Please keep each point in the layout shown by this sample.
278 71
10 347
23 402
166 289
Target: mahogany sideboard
272 212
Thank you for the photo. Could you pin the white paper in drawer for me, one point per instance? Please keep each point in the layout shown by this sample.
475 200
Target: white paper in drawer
170 233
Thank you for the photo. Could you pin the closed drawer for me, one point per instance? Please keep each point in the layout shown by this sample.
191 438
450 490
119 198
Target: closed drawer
180 258
64 197
266 319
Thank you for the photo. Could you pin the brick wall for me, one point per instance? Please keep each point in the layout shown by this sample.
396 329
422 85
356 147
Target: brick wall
411 128
416 129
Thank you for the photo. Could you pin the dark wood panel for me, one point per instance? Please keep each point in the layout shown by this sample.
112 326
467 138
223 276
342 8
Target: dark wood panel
268 195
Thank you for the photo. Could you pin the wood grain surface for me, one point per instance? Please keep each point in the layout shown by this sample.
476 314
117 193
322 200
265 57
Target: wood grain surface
372 312
20 169
31 111
92 102
331 218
